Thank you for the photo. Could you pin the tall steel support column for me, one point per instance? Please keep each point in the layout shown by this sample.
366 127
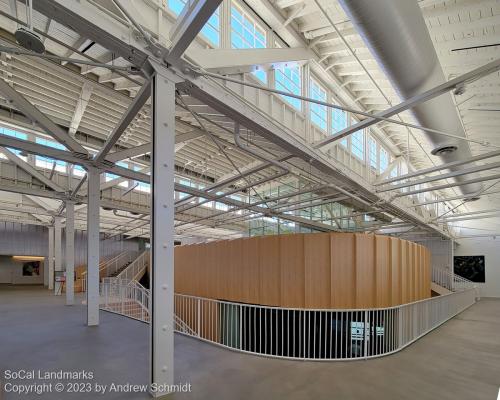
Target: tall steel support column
50 265
70 253
93 194
162 233
57 255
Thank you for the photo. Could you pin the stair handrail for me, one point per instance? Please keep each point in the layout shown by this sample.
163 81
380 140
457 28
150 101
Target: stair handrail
136 267
451 281
115 264
102 263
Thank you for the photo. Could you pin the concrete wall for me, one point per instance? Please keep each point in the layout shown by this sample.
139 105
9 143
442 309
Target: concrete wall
490 248
11 271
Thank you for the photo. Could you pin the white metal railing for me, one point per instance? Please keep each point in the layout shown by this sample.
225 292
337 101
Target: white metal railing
111 266
311 334
136 268
125 297
445 278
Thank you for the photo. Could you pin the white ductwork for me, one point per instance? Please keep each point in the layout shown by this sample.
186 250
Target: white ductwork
397 36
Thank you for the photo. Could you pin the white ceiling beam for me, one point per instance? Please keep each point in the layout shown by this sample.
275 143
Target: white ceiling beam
465 26
452 8
109 77
77 45
409 103
233 174
30 170
126 84
81 105
35 115
105 58
136 105
235 61
189 23
347 32
129 153
294 13
320 25
68 156
288 3
483 40
336 48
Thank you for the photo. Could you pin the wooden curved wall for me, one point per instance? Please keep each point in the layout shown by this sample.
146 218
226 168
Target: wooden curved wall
317 270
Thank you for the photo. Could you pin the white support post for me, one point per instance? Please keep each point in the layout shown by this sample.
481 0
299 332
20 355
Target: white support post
50 265
93 246
57 254
452 264
162 233
70 253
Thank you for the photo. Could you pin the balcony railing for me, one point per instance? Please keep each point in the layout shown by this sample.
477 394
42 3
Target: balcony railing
293 333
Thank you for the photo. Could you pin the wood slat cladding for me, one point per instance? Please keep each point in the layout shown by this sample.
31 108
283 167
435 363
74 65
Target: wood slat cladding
317 270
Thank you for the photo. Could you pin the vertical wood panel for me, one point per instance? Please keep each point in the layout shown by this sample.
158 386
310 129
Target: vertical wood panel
395 271
270 274
383 284
411 271
365 270
251 271
208 258
223 270
343 276
405 298
292 270
420 272
317 270
236 270
428 273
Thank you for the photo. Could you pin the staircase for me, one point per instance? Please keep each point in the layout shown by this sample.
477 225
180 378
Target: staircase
445 282
136 269
81 273
111 267
120 270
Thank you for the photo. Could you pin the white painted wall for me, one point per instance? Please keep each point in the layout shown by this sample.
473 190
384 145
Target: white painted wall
12 272
490 248
441 254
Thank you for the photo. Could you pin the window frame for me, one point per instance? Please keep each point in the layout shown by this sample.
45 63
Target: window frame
317 109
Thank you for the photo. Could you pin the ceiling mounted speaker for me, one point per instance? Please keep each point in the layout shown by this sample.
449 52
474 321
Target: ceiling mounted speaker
29 40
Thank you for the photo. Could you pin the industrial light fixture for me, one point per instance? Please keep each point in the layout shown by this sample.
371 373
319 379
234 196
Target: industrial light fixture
28 258
26 37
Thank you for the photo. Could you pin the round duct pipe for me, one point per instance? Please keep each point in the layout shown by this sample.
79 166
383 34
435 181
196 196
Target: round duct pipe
397 36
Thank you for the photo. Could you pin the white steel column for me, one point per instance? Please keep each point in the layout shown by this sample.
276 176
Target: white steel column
70 253
57 254
162 233
94 194
51 258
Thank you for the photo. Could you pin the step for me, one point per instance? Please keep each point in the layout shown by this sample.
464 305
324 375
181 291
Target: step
439 289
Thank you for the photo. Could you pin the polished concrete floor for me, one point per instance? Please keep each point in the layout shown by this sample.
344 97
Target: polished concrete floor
459 360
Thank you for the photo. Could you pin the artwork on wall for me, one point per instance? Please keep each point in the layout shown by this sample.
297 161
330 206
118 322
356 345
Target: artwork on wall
470 267
31 268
